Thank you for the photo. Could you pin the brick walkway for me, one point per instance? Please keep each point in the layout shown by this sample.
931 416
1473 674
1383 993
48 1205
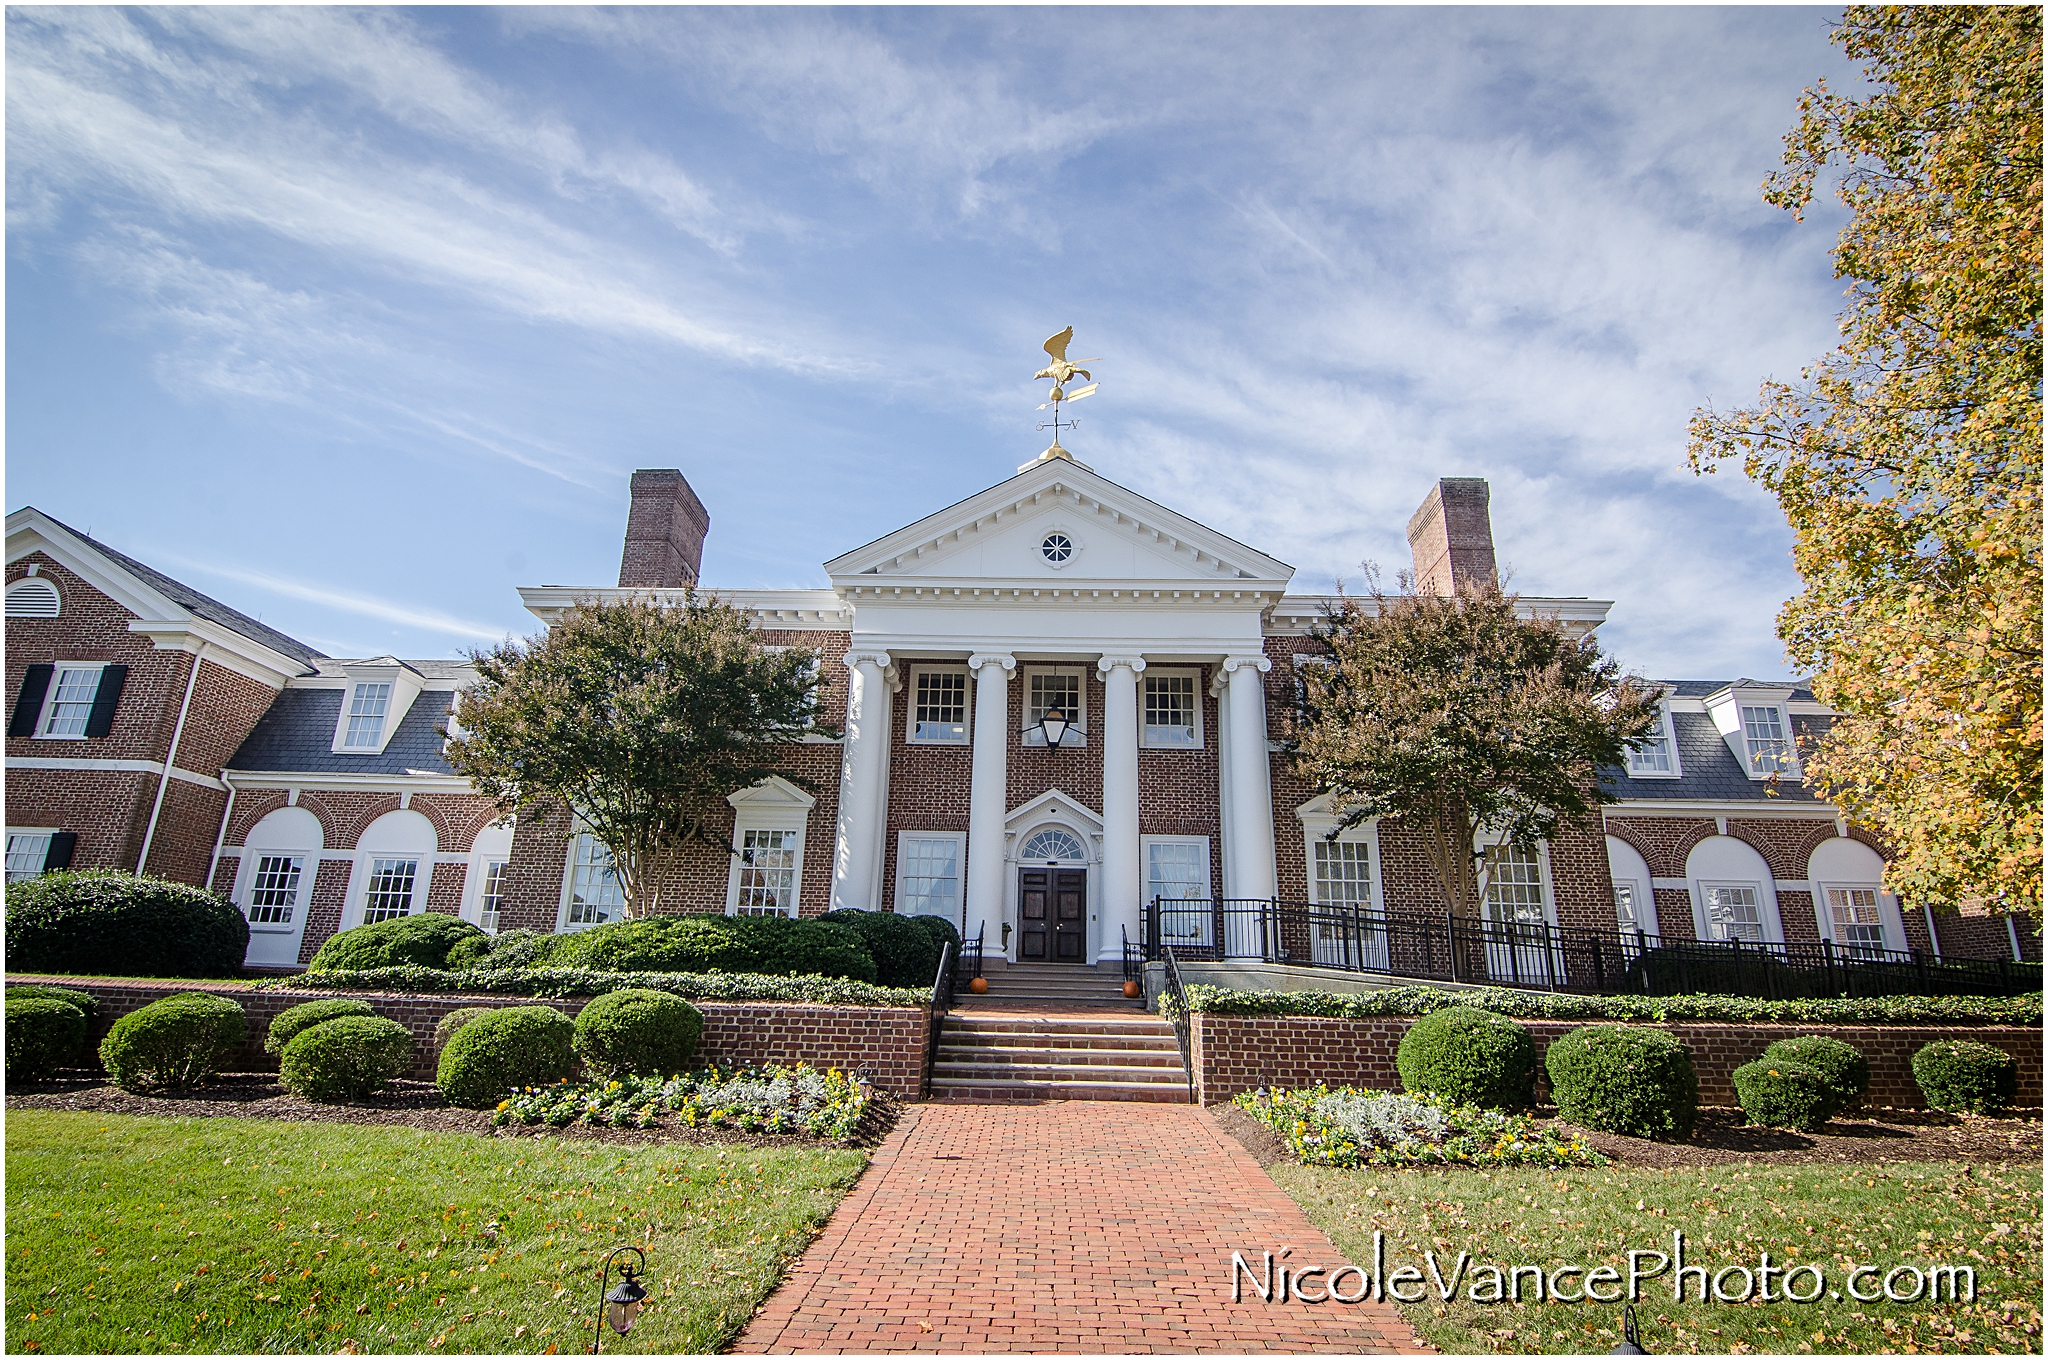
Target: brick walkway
1084 1226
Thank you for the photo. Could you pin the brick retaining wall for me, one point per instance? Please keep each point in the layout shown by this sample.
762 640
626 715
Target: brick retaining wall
887 1043
1234 1053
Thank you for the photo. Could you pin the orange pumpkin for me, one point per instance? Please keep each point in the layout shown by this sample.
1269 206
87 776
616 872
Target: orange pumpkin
1130 988
978 986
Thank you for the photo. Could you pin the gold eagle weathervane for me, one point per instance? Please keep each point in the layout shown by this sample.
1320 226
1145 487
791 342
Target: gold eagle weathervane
1062 371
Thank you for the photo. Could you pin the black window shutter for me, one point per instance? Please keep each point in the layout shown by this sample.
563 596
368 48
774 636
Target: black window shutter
101 719
35 683
62 843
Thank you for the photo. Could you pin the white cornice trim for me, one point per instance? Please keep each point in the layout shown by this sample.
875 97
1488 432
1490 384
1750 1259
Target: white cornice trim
792 610
1295 615
1722 807
368 783
155 767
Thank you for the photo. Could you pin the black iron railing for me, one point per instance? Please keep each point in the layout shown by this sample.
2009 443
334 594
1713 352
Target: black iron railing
935 1010
967 964
1134 958
1447 948
1175 1003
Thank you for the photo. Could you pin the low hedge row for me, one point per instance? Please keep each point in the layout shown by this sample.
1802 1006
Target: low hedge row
566 982
1876 1010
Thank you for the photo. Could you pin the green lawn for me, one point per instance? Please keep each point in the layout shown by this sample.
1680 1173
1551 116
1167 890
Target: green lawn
246 1235
1985 1216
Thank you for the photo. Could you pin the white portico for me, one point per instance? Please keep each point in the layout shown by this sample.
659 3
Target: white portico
1059 572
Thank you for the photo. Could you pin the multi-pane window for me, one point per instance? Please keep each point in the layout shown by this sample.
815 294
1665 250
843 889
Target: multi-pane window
1854 914
941 706
275 893
71 695
1734 912
1764 732
1050 690
1626 912
366 709
595 895
1514 885
1170 713
767 880
492 899
27 852
1052 844
1343 873
1654 755
1178 871
390 892
931 876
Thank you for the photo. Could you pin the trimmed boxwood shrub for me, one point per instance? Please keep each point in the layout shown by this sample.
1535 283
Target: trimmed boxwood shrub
1624 1079
1960 1074
101 921
289 1024
71 996
1469 1057
520 948
493 1055
455 1020
178 1041
424 939
1783 1095
940 929
638 1033
718 944
1840 1067
345 1058
905 953
43 1034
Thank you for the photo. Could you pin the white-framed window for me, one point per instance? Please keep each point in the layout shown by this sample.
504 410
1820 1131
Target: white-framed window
764 873
1172 716
368 703
1764 737
1061 687
491 897
389 892
1629 914
1053 845
1177 870
928 873
1342 875
1516 890
938 705
274 889
1855 918
592 894
1657 758
27 853
1734 911
32 597
67 708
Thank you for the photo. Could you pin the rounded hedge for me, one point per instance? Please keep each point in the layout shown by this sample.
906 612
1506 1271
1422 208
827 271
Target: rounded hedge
85 1001
905 953
114 924
940 929
345 1058
639 1033
289 1024
1963 1075
496 1054
43 1034
455 1020
521 948
178 1041
716 944
1624 1079
1841 1068
424 939
1470 1056
1783 1095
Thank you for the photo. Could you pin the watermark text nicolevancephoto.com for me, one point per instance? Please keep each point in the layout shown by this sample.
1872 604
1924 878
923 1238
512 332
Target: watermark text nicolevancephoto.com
1274 1279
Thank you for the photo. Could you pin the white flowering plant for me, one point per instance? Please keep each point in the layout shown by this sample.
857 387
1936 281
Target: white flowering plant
1347 1127
766 1099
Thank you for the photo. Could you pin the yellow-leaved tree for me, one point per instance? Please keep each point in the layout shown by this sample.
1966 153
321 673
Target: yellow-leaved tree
1908 460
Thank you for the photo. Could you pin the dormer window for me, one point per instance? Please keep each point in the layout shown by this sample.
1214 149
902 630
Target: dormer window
1751 719
368 703
1763 732
380 693
1657 757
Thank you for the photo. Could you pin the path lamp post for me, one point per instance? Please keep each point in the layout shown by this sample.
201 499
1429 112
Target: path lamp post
620 1306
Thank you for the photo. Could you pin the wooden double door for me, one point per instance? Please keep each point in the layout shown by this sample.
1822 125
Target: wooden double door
1052 912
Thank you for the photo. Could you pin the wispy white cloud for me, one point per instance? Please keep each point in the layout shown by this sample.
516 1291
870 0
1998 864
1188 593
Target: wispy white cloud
348 602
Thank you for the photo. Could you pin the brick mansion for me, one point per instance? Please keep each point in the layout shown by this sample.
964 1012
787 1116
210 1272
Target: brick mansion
158 730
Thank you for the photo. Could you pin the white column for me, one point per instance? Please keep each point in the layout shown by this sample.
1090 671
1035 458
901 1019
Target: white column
861 766
1250 791
1226 849
1123 881
883 893
988 798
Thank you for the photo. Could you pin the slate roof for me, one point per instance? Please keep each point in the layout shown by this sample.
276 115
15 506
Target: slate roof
205 606
297 736
1708 770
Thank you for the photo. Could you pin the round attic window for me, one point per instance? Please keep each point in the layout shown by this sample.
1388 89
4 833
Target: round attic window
1057 548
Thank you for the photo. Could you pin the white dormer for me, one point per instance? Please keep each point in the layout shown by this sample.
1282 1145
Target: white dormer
1756 722
1657 758
379 693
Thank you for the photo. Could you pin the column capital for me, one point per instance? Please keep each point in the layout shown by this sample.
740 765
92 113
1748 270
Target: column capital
980 659
1233 664
870 656
1110 663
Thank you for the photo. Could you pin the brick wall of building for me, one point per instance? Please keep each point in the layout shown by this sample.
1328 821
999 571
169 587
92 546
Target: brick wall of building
1234 1053
885 1043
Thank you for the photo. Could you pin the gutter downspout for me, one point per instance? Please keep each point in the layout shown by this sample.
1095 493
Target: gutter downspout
1933 935
213 868
170 759
2012 932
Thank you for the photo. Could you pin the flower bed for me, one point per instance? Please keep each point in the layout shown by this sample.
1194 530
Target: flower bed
769 1099
567 982
1873 1010
1347 1127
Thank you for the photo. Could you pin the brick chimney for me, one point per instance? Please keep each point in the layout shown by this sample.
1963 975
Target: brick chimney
1452 537
664 531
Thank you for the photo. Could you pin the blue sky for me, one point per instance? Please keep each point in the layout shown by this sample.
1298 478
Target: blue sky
361 319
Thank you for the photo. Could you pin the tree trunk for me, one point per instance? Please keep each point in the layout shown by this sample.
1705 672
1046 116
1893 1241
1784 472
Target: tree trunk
1447 838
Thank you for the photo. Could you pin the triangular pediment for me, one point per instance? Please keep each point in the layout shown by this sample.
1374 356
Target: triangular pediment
772 792
1110 533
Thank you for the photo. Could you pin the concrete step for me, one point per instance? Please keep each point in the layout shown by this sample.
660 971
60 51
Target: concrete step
1004 1091
1078 1058
1028 1074
978 1042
